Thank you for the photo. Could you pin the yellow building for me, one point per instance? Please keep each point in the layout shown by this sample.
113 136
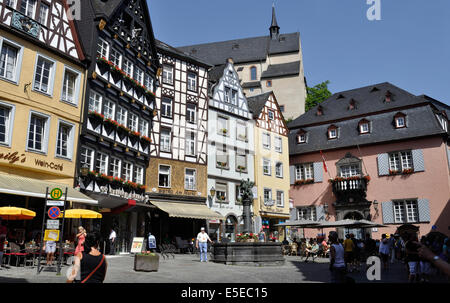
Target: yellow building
41 100
271 165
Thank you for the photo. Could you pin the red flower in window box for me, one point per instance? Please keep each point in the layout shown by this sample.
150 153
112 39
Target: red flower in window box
135 133
95 114
112 122
146 139
393 172
407 171
124 128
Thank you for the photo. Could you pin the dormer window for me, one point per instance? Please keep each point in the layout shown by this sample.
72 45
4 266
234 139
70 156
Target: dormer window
364 127
301 136
319 111
400 120
332 132
388 97
352 104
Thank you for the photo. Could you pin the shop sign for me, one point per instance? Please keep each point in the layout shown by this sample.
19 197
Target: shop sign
122 194
136 246
13 157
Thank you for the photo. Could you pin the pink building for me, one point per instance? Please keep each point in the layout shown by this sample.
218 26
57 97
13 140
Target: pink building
387 157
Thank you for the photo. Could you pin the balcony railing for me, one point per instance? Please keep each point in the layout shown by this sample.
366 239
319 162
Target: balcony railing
350 189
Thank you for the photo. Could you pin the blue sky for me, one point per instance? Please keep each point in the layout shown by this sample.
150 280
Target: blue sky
409 47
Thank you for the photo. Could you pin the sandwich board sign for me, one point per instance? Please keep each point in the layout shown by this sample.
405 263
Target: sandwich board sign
136 247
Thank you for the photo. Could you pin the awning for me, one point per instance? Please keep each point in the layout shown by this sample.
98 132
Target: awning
275 215
187 210
15 185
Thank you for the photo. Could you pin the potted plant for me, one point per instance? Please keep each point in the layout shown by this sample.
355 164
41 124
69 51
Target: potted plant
146 261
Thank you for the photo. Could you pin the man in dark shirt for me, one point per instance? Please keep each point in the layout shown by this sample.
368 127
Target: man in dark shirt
370 245
412 257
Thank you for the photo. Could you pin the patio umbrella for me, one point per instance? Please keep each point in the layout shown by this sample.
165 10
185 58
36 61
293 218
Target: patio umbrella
368 224
299 223
16 213
81 214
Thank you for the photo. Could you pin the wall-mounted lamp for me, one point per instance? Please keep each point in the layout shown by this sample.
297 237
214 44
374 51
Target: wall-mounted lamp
84 170
212 191
25 87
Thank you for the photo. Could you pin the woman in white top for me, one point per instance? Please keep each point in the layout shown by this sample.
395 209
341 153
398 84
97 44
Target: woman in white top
337 263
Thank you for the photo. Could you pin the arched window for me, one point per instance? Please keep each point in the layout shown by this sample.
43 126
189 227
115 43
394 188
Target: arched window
253 73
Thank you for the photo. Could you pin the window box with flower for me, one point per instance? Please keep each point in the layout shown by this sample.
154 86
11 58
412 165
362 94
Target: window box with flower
241 168
407 171
222 164
117 183
303 182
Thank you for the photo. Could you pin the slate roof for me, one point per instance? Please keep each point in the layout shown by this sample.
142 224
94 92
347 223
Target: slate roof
256 103
281 70
253 84
105 7
164 47
420 117
244 50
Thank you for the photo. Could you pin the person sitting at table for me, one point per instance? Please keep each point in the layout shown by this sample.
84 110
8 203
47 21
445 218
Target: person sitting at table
50 249
325 248
312 251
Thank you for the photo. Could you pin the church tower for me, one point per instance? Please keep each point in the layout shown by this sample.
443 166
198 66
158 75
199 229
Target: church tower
274 28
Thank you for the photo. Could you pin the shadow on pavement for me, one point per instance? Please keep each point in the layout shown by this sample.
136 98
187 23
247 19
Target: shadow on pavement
314 272
12 280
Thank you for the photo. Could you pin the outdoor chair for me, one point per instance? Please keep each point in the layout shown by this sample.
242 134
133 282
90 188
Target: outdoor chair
68 252
30 249
18 253
182 245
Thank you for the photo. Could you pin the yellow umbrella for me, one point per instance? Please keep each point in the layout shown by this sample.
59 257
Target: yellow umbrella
80 213
16 213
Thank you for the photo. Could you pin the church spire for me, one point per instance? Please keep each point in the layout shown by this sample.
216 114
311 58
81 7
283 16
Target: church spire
274 28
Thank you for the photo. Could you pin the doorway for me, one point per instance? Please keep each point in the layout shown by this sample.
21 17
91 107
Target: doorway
358 232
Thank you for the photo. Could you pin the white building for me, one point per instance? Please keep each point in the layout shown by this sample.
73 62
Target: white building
230 149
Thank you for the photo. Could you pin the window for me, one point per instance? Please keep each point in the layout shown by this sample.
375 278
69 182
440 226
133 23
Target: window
43 14
28 8
115 167
234 96
127 171
222 125
399 161
8 62
122 115
87 157
37 136
115 57
241 129
267 167
266 140
192 81
95 102
143 127
127 67
253 73
133 125
43 75
301 138
406 211
279 170
221 192
364 127
252 89
139 174
167 74
102 48
11 3
241 160
347 171
278 144
400 122
69 86
139 75
108 109
280 198
64 140
227 94
191 111
148 82
222 156
282 108
332 133
5 124
268 83
189 179
101 165
271 114
190 143
304 171
164 176
166 107
307 213
268 197
165 144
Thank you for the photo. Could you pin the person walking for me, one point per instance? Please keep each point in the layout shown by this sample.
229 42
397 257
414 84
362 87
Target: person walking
384 250
112 242
202 242
91 263
392 248
81 236
412 257
337 262
349 247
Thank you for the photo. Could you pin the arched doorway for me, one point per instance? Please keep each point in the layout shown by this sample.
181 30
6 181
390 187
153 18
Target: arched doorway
358 232
230 227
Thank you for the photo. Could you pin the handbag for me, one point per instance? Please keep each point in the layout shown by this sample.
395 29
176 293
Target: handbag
98 266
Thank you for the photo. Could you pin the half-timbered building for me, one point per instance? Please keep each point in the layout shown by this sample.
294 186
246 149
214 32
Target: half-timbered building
177 174
42 74
120 104
230 149
271 165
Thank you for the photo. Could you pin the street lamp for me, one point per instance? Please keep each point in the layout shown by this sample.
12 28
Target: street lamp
212 191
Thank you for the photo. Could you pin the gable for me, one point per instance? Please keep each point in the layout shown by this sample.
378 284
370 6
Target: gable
271 117
223 94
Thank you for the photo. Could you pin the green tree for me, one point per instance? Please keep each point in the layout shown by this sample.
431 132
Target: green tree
317 94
